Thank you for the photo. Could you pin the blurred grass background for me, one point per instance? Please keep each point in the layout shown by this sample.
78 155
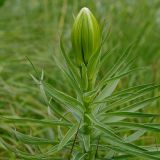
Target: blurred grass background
31 28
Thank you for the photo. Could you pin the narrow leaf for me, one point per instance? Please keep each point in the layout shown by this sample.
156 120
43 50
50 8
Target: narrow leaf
71 132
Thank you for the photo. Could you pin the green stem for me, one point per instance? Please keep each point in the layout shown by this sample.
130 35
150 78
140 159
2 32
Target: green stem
87 132
87 126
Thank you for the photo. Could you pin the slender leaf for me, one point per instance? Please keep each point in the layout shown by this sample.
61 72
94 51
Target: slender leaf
64 98
130 114
71 132
131 125
27 121
28 139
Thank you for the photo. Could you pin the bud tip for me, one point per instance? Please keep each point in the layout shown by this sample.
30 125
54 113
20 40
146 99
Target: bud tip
85 10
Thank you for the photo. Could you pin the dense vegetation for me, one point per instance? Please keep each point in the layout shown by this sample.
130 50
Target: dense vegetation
29 43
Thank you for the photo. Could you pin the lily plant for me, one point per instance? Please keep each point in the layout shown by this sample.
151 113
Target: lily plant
97 121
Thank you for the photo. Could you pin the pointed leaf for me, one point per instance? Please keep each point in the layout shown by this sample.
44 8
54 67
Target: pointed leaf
71 132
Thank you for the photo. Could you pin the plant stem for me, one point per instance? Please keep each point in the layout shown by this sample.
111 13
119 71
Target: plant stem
86 121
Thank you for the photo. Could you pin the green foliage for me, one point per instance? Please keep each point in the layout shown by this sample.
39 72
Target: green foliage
2 2
86 112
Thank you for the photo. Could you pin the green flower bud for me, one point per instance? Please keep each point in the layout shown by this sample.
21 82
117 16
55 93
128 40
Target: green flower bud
86 36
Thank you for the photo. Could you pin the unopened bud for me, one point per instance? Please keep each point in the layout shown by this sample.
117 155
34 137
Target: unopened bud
85 36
